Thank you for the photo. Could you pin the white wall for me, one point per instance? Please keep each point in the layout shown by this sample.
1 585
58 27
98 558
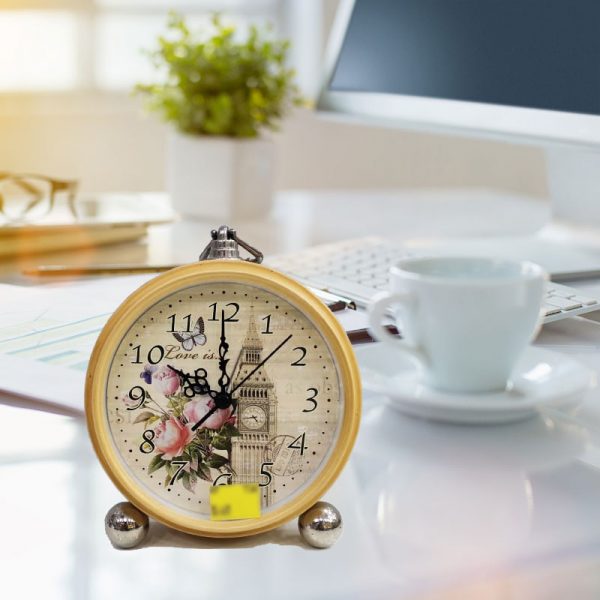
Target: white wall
319 152
112 146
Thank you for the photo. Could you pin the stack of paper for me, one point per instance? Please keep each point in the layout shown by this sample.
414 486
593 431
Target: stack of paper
47 335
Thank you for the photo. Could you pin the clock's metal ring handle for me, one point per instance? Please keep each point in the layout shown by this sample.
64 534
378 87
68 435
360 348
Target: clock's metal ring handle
225 245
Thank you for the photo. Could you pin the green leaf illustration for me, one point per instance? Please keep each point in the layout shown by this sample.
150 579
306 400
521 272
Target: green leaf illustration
156 463
143 416
185 480
189 481
229 430
216 460
203 437
203 472
220 442
171 470
194 460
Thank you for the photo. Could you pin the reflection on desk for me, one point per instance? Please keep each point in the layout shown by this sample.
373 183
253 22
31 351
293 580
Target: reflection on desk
424 504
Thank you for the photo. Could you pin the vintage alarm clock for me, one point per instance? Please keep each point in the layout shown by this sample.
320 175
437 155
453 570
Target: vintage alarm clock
222 397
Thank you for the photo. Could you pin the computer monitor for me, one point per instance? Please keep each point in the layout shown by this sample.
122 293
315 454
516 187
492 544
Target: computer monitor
516 70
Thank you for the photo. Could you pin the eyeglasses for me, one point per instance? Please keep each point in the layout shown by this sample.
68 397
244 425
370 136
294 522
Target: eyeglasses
27 198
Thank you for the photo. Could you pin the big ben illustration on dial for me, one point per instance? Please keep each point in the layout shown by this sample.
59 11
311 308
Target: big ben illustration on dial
257 405
219 373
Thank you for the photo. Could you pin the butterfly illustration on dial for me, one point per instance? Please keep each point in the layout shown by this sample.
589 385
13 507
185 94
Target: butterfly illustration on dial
195 337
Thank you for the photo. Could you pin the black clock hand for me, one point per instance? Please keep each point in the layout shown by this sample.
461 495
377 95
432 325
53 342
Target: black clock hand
224 380
261 363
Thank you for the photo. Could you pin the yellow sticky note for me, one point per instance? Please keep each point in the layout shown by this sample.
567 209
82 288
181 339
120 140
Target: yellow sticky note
235 501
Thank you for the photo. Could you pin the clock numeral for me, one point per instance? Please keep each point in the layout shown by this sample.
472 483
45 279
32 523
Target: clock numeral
298 362
137 350
315 393
181 464
136 393
267 329
188 324
298 444
146 447
267 474
221 476
231 318
152 355
161 354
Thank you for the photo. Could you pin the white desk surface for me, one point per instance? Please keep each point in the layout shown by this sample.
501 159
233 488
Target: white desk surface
430 510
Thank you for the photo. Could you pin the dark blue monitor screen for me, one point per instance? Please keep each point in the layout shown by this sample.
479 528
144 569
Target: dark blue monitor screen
529 53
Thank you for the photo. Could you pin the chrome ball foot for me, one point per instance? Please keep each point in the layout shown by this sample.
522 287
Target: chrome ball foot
125 525
321 525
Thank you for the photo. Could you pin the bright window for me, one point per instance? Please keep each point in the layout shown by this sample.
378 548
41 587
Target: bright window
64 45
38 50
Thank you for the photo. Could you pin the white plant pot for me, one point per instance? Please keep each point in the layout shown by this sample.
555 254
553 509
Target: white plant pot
218 177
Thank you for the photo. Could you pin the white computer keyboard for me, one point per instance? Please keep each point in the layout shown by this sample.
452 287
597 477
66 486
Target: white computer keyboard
358 269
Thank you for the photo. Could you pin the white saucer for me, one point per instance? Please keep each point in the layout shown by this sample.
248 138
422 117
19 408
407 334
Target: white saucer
541 378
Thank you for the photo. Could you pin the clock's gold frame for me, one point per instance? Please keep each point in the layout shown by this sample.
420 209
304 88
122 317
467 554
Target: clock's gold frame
231 271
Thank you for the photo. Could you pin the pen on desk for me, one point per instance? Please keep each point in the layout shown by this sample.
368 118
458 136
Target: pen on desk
362 336
337 306
568 276
333 301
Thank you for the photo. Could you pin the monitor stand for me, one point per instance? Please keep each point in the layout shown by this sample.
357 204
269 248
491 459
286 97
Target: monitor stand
570 242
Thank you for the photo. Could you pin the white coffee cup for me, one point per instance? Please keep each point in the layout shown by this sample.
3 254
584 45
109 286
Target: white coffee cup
466 321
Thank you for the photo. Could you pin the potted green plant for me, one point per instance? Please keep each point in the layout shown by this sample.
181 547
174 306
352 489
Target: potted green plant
222 94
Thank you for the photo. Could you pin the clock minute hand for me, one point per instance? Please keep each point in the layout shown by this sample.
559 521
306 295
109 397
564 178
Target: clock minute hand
261 363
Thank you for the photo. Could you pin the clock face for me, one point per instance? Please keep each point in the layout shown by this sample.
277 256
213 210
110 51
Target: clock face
253 417
220 383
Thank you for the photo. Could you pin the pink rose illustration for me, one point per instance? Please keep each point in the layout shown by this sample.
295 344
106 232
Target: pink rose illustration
166 380
171 437
196 409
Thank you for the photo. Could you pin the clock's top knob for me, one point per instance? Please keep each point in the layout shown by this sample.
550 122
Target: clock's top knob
225 245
